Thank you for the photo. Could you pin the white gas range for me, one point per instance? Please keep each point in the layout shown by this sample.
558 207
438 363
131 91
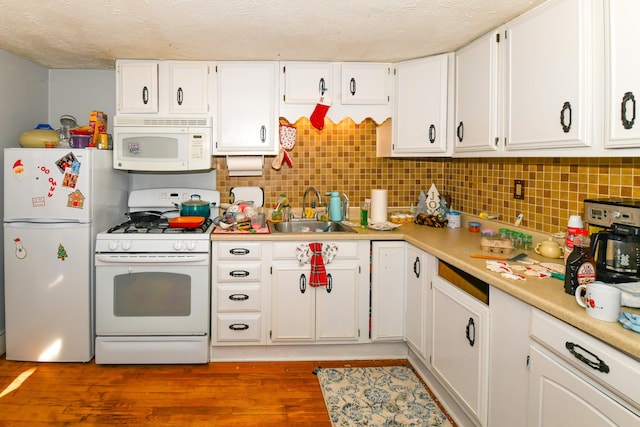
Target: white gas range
153 283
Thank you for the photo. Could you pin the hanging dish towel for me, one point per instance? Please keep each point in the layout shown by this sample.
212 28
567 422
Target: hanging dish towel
318 255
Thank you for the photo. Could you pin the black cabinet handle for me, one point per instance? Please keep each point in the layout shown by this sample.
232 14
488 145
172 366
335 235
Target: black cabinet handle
238 297
352 86
238 326
416 267
145 95
263 133
471 332
628 97
239 251
180 96
329 283
597 364
302 283
566 107
322 87
460 131
238 273
432 134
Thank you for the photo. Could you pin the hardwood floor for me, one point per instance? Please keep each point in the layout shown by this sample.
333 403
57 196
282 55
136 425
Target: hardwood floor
216 394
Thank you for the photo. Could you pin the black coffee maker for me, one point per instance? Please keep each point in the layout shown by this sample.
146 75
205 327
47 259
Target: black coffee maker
617 254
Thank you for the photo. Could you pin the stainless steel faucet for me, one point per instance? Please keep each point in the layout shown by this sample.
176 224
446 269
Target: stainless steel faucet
345 207
304 198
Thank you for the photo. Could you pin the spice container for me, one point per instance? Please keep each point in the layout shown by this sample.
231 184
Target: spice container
474 227
453 219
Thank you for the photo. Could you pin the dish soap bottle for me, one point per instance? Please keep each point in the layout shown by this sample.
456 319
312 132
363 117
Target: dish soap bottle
335 206
581 267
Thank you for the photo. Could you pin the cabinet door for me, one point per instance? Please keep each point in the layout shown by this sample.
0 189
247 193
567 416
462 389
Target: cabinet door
387 290
337 304
247 104
549 76
421 106
307 82
624 69
459 354
188 88
416 271
365 83
137 87
477 114
559 397
293 310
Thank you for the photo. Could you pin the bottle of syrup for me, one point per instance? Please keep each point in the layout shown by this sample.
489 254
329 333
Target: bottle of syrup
581 267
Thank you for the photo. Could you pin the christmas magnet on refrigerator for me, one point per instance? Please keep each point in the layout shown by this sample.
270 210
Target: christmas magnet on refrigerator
21 252
62 252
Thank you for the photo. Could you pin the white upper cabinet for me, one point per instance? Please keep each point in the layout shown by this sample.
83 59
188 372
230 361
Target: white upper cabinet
307 82
188 87
137 86
163 87
553 96
477 97
623 72
421 107
365 83
247 105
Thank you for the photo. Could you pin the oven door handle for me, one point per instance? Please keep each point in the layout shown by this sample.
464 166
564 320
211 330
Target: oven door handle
151 259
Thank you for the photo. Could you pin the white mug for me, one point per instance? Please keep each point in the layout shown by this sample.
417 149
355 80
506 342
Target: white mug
601 301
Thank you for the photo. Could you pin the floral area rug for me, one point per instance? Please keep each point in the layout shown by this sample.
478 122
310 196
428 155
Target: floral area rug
378 396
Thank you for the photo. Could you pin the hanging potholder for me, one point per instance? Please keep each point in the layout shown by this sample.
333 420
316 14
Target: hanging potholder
287 136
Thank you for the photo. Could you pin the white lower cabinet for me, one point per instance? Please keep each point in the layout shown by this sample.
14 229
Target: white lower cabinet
335 313
508 356
240 292
387 290
576 380
460 347
417 320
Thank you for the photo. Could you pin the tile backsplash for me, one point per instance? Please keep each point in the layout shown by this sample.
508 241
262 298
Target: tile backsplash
342 157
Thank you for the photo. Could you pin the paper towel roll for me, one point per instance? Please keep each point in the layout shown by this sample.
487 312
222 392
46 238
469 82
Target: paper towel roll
378 206
245 165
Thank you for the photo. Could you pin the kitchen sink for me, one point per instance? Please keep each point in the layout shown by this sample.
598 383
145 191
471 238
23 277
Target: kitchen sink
310 226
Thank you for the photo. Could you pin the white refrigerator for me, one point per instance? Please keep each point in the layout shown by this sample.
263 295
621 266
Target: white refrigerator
55 202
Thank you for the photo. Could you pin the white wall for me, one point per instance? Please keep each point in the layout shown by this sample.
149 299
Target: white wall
78 92
23 104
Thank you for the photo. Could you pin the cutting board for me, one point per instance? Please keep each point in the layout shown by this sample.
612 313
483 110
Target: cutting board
247 194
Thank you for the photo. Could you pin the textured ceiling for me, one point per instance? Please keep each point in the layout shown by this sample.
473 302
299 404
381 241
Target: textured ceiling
91 35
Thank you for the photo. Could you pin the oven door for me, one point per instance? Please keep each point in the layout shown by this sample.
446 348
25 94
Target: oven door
152 294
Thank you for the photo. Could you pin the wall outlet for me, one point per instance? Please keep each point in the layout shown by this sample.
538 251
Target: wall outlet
518 189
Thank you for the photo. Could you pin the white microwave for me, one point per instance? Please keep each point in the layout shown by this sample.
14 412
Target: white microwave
162 144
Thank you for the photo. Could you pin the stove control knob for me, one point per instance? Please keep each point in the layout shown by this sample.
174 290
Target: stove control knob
126 245
191 245
113 245
178 245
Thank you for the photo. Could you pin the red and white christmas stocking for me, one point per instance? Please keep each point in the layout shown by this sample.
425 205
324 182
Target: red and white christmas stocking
318 115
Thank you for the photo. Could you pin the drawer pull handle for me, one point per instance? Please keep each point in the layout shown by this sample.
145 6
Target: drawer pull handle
460 131
329 283
628 97
322 86
566 107
432 134
302 283
239 251
597 364
471 329
180 96
238 326
352 86
238 273
238 297
416 267
145 95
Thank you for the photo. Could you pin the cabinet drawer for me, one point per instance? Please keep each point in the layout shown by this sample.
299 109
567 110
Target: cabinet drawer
238 298
287 250
245 328
233 272
613 369
237 250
